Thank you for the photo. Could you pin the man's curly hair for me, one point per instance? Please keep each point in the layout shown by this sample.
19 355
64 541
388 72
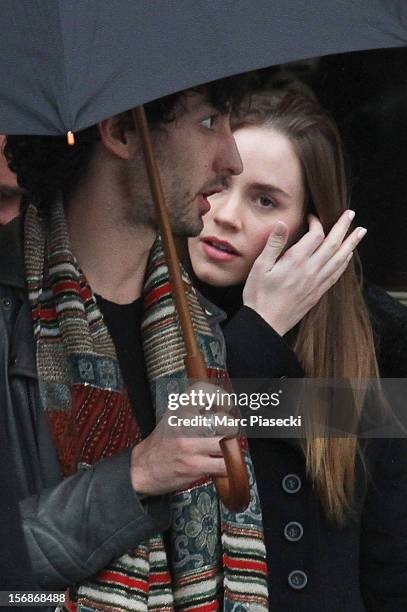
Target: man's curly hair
45 165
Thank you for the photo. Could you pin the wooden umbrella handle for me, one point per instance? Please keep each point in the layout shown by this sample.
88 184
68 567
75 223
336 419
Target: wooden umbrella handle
234 489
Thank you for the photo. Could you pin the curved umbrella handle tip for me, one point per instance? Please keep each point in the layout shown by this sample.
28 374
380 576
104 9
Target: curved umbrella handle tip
234 489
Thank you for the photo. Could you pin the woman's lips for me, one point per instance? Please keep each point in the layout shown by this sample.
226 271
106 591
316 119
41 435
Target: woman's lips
219 250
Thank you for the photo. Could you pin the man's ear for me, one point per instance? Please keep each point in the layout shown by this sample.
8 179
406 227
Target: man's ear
114 137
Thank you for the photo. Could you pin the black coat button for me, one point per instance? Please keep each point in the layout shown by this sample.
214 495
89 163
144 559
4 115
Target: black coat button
297 579
7 303
293 531
291 483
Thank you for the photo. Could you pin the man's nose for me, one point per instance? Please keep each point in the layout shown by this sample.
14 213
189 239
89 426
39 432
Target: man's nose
228 159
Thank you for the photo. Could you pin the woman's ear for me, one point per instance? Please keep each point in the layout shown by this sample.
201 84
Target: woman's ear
115 137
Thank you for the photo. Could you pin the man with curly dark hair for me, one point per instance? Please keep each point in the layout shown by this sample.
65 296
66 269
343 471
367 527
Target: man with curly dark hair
93 468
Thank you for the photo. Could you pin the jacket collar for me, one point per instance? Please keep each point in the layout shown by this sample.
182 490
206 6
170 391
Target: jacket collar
213 313
12 271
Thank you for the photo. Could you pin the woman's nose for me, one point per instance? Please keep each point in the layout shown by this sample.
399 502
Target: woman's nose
227 212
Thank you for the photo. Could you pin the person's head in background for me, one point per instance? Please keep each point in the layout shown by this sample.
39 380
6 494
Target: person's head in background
293 165
10 192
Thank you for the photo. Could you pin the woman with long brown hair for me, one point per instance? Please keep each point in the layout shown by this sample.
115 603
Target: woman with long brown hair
305 314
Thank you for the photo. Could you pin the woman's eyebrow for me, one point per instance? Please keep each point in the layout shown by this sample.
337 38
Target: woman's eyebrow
269 188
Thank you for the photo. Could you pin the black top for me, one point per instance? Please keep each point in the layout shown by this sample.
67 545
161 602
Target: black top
124 324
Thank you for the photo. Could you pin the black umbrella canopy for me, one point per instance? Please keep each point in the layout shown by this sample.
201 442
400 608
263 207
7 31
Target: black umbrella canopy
67 64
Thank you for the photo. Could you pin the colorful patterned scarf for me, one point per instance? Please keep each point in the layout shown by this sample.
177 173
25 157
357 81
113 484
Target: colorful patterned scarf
218 558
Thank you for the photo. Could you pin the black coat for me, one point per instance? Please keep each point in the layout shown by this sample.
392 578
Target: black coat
15 570
316 566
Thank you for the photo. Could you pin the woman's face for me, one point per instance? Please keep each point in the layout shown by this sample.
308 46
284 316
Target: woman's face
236 228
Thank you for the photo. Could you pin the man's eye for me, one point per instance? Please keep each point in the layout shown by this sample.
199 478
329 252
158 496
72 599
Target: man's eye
208 122
265 202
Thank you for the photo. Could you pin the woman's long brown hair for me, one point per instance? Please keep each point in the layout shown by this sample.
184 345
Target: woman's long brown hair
335 339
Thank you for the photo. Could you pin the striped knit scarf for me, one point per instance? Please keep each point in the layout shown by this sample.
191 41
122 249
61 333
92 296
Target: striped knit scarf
218 559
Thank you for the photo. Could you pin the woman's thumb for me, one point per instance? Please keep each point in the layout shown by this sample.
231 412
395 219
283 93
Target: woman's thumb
275 242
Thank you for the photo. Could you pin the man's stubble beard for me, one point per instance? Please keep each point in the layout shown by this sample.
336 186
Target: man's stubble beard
181 203
182 227
184 217
185 220
182 222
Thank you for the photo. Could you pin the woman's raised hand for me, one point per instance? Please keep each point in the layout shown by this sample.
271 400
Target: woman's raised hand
283 290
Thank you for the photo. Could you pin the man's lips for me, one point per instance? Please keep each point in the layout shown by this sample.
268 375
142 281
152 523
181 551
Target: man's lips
212 191
219 250
204 195
204 205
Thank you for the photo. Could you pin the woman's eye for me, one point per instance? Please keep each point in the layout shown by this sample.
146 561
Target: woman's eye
209 121
265 202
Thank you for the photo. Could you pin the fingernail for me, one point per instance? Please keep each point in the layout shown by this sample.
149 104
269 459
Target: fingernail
362 232
351 215
279 229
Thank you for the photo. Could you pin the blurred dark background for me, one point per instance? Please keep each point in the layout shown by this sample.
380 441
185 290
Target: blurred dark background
366 93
